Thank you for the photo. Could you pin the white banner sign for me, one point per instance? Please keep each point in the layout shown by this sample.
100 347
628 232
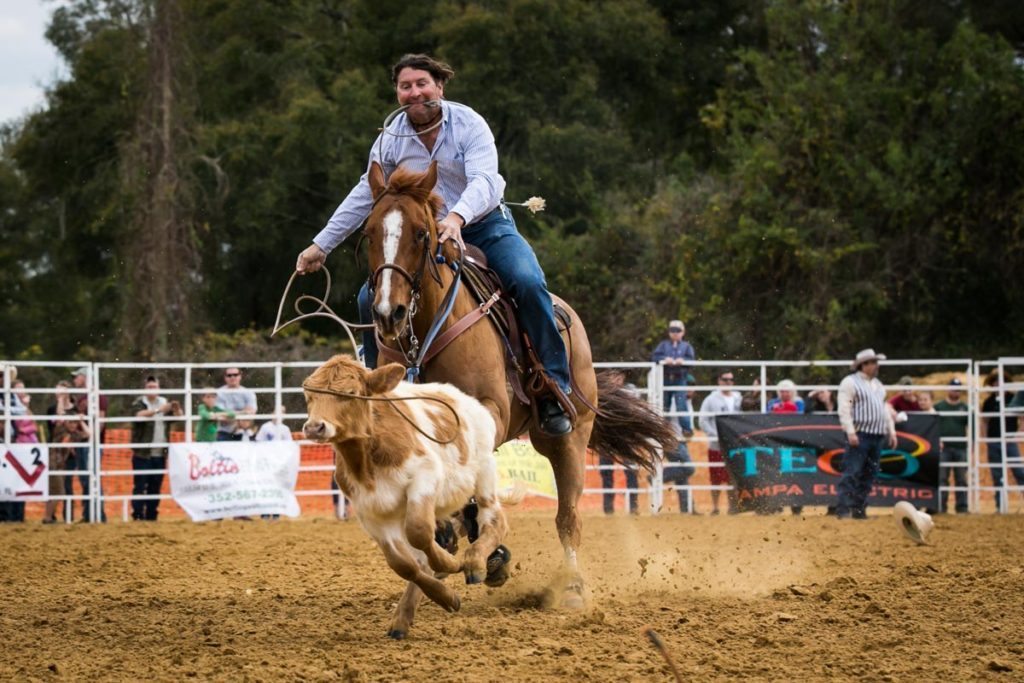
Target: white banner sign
24 472
228 479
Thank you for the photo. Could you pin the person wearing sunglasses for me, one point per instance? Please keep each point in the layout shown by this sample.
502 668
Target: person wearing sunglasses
232 397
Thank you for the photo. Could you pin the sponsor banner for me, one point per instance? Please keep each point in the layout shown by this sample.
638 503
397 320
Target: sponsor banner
24 472
518 461
784 459
228 479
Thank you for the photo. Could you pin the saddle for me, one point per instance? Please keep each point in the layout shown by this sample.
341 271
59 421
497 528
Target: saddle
523 369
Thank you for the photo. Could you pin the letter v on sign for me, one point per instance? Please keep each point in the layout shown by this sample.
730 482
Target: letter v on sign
30 479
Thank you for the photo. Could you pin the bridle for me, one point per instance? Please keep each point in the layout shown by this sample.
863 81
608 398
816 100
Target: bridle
392 400
415 352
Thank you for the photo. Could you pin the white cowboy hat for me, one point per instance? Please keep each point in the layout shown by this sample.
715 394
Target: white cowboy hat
915 524
864 356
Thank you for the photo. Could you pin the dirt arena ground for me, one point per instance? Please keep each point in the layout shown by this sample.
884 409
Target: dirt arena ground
779 598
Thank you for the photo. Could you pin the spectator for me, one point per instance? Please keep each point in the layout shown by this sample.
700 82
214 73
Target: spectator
608 482
750 402
146 459
720 401
236 399
80 381
61 434
906 400
21 429
993 428
868 425
672 354
786 399
953 431
924 400
608 479
210 416
819 401
275 430
678 470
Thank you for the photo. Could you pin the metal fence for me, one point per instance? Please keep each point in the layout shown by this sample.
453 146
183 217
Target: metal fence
994 470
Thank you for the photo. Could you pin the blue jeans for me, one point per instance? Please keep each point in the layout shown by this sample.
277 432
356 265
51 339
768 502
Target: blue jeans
995 456
608 481
512 258
82 465
680 400
860 465
678 470
954 454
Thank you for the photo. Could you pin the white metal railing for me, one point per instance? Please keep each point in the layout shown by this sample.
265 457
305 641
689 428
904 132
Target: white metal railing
185 381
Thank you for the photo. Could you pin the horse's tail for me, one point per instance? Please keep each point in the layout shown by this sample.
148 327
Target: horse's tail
626 428
515 495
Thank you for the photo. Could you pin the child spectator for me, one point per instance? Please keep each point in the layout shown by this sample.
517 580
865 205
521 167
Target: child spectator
786 400
209 415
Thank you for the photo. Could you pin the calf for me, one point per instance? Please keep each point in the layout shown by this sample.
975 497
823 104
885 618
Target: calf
407 455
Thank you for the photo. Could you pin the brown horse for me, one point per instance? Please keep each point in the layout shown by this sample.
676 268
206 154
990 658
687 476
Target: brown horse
402 236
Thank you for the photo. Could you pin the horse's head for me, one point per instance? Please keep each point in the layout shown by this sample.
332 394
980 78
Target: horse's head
400 231
335 395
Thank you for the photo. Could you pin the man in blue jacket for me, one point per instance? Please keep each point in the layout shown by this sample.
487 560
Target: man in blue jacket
672 354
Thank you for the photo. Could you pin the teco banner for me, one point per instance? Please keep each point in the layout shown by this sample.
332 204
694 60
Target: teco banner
775 460
234 479
24 470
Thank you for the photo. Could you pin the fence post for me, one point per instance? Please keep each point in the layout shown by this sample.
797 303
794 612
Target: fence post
96 439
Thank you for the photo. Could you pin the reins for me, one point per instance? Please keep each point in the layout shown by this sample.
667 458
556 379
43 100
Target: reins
391 400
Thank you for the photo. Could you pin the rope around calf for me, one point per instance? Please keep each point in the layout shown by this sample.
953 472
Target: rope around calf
392 400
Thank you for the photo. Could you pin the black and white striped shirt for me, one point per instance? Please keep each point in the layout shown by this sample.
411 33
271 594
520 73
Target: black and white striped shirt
862 406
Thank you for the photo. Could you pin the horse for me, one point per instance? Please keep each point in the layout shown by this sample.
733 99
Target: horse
409 291
402 481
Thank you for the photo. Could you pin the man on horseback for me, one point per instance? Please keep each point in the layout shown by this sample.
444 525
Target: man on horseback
459 139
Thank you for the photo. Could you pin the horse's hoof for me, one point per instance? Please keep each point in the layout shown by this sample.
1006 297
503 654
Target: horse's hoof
497 567
572 596
396 634
456 604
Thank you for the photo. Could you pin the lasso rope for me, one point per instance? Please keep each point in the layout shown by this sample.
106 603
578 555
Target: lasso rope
392 400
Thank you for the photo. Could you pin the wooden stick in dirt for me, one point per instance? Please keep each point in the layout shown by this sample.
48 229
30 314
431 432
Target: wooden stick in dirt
655 639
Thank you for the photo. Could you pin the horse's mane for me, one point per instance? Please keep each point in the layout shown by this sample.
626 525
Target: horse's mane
405 182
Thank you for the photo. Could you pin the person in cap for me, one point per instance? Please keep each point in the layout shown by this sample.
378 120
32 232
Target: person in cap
953 412
905 401
868 426
672 355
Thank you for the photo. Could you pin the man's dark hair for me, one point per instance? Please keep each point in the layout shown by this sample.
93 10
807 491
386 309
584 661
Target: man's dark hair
441 72
151 378
723 373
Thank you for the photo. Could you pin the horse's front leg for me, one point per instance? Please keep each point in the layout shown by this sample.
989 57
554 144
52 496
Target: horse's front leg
420 527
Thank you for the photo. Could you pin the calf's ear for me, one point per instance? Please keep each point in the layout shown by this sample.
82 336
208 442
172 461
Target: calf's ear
383 380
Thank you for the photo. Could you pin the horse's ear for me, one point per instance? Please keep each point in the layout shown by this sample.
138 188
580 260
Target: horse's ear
376 178
429 178
382 380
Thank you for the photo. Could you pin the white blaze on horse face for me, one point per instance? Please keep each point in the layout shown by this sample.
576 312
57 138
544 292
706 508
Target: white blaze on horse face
392 237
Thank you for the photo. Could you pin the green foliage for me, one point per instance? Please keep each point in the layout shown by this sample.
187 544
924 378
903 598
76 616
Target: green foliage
793 178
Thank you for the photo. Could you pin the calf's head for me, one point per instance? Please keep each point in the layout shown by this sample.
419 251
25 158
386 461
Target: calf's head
334 398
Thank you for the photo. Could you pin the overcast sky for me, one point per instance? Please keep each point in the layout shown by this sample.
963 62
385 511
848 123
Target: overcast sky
27 61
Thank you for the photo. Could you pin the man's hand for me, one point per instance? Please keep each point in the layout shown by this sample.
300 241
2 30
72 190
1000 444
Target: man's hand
451 228
852 438
891 441
310 260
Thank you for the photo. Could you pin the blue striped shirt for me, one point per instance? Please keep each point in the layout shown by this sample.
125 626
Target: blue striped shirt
467 171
